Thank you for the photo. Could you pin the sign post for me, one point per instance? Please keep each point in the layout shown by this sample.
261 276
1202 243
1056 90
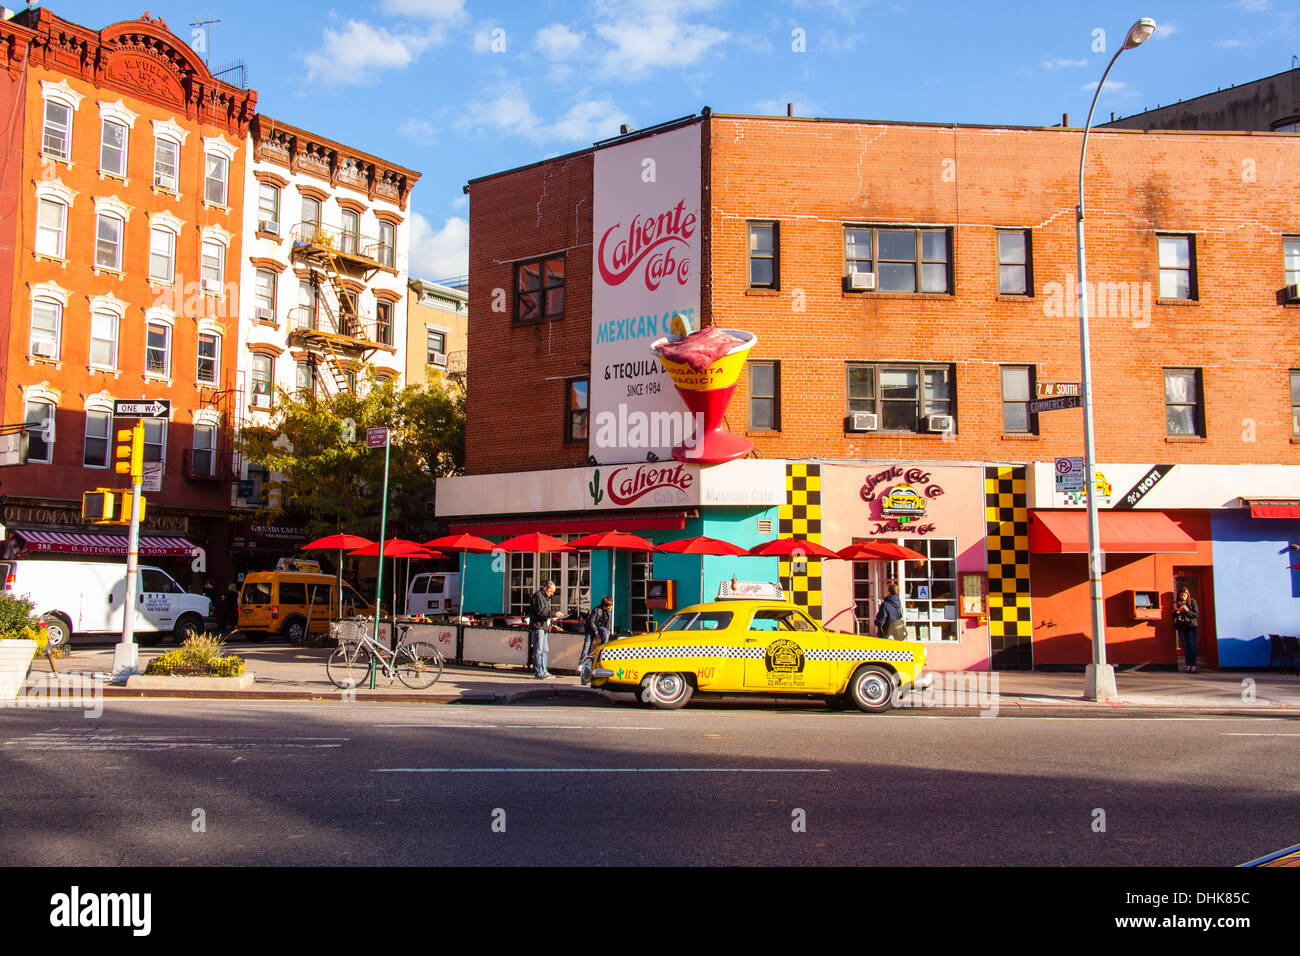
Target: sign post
375 438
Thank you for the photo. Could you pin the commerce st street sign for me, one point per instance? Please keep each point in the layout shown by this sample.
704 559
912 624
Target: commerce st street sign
1054 404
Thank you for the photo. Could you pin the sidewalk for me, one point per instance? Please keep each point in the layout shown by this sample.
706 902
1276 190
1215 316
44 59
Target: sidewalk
298 673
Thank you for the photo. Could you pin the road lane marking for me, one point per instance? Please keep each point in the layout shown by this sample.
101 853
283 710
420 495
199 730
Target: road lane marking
600 770
1225 734
601 727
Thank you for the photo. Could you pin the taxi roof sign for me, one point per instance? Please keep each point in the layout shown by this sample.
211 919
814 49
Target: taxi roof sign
734 590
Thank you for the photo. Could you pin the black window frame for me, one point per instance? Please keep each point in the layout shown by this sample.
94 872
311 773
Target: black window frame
774 398
1027 265
1193 284
918 248
877 399
573 432
1199 403
1032 428
1295 402
543 315
775 255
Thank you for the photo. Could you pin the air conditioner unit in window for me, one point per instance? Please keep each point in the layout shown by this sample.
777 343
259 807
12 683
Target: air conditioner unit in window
940 423
863 422
45 349
212 285
439 358
164 182
861 281
268 225
261 400
1293 292
264 314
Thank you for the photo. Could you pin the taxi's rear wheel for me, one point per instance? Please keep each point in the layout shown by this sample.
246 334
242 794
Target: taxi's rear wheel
666 691
872 688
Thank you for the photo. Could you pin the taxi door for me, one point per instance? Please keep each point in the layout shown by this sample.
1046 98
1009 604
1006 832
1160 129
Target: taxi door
794 653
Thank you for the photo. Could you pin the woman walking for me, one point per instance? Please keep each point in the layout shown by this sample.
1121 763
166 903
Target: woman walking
1185 620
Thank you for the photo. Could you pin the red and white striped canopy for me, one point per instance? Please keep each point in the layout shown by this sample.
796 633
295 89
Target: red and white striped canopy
72 542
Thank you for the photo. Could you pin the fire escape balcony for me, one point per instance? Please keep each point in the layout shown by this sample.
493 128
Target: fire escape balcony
313 241
319 326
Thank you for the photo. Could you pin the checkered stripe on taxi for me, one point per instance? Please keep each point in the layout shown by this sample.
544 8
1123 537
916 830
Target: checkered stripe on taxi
838 654
702 650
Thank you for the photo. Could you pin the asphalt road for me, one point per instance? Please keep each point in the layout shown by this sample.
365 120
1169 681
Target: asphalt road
164 783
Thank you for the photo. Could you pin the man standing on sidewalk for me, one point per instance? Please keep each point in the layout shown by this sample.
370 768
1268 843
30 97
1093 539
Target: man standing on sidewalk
539 619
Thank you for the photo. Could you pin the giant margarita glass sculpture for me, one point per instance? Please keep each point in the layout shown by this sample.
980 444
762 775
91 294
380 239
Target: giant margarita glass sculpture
705 366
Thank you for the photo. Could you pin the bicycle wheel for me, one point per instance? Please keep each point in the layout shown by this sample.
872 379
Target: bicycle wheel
418 665
349 666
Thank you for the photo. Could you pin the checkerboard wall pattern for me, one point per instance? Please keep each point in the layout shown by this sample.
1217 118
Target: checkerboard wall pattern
1006 514
801 517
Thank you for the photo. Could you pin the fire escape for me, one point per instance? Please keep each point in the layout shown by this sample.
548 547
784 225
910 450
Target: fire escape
330 330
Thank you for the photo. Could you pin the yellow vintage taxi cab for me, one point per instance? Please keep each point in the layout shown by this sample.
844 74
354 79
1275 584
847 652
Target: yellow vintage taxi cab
768 647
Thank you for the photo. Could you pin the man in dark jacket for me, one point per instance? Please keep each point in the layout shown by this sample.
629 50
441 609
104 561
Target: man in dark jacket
889 614
597 627
540 613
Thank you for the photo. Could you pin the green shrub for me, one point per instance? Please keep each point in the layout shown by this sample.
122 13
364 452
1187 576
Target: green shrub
18 621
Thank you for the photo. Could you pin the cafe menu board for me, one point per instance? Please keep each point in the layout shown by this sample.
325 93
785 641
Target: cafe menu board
974 594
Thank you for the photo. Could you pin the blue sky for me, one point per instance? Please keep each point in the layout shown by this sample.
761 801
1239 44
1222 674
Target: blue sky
458 89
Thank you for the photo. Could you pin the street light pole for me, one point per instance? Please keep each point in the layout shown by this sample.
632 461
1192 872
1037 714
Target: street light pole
1099 681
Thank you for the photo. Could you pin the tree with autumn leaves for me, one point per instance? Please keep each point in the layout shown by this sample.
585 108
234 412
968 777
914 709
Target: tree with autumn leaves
321 470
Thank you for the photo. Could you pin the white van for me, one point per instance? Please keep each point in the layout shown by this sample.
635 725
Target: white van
437 593
86 597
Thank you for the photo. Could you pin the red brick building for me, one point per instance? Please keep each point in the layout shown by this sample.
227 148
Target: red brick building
120 222
910 286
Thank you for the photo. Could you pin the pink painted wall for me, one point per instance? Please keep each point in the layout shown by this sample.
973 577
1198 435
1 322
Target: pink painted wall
956 513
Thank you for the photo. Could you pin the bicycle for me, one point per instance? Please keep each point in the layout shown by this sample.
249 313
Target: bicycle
418 664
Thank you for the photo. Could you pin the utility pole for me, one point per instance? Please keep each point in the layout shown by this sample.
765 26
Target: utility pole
130 460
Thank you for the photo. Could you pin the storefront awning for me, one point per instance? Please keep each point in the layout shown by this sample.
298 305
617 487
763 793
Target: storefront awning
562 524
1123 532
109 545
1273 507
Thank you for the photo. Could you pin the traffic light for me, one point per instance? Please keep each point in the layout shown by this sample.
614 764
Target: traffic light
130 453
109 506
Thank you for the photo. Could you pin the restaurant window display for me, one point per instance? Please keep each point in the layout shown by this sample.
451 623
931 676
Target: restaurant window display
570 572
928 589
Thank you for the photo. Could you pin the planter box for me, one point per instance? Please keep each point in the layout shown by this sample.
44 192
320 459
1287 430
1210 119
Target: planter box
15 660
143 682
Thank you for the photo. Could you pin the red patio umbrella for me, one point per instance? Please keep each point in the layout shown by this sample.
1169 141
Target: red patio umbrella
612 541
337 542
535 543
879 551
465 544
792 547
399 548
703 545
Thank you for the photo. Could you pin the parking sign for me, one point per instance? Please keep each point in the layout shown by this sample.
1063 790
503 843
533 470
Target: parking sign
376 437
1069 475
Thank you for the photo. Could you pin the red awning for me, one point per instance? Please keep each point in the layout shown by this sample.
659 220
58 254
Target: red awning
1273 507
108 545
1122 532
562 524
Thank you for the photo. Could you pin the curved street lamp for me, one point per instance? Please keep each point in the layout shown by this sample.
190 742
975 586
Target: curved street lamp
1099 681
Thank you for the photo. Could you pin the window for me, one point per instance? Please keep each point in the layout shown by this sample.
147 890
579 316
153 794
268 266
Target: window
103 339
263 374
305 378
108 242
99 431
166 163
1013 262
570 572
351 232
1017 390
1177 267
928 590
903 260
1184 410
155 439
310 217
213 265
56 139
112 148
384 323
1295 403
51 227
764 392
348 314
40 431
436 347
47 318
575 410
903 396
157 349
764 272
539 289
162 255
268 208
205 443
1291 265
264 294
209 358
214 183
307 302
387 244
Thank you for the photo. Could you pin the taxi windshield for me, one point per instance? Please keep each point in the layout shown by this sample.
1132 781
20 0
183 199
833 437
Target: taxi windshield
698 621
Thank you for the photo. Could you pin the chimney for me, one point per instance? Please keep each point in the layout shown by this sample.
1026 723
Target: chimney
624 129
789 109
1065 119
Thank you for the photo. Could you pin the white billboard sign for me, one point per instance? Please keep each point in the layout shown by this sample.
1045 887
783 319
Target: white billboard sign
646 267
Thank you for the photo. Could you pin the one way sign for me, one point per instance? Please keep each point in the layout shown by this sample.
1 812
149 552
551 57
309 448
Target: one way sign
154 408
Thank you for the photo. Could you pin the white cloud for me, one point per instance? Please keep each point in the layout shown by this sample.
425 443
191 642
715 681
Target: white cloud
1114 88
510 111
443 254
587 121
418 131
491 38
460 202
352 54
1057 63
446 10
1252 6
646 34
558 42
1165 30
1230 44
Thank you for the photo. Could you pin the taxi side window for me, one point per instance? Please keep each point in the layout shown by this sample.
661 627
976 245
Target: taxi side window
321 595
293 592
764 621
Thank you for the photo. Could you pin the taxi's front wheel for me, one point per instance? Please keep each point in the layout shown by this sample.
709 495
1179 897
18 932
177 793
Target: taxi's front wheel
872 688
666 691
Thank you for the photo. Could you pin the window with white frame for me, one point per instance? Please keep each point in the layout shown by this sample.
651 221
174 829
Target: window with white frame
261 379
47 320
436 347
351 231
108 242
51 227
310 217
103 339
264 294
1291 266
166 163
305 378
155 439
570 572
928 589
99 433
384 322
213 265
158 349
162 254
56 137
112 148
39 417
216 172
209 358
308 301
387 243
205 445
268 208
